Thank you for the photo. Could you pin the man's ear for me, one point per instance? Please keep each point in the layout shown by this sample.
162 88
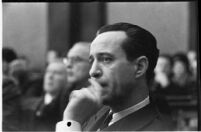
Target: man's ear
141 66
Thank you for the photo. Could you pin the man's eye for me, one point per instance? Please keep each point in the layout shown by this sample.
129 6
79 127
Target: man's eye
106 59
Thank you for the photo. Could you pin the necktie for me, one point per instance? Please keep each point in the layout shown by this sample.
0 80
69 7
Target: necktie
106 121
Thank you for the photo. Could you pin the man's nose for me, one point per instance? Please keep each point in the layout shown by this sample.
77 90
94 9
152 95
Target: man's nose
68 64
95 70
49 75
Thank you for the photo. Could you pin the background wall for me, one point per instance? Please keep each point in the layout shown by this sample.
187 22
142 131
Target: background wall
168 21
69 23
33 28
59 27
25 30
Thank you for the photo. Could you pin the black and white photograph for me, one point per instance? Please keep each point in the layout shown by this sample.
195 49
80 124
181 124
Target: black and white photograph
100 66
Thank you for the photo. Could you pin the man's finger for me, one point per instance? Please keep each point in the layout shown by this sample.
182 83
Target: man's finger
95 84
95 87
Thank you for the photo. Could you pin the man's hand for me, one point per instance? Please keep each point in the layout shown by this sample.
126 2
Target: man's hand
83 103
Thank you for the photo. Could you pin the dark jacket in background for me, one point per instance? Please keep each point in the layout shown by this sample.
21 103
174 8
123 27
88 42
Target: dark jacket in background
11 105
39 116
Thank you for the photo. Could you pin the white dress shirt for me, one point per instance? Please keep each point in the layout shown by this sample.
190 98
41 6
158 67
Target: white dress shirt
70 125
119 115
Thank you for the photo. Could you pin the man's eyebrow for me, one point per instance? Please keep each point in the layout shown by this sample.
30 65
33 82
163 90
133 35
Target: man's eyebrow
101 54
104 54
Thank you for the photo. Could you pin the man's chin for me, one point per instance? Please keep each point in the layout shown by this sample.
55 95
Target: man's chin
71 80
106 100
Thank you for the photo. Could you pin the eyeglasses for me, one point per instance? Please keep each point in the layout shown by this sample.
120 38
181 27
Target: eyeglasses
74 60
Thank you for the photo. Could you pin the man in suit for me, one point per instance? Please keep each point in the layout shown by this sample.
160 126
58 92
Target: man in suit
123 57
77 66
41 114
10 93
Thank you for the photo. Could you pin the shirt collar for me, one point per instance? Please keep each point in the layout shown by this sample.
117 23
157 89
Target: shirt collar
119 115
48 99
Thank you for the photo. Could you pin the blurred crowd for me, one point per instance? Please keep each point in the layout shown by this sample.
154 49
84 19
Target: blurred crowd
35 101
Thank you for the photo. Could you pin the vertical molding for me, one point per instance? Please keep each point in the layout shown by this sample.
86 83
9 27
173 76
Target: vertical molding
92 18
103 14
196 48
59 26
193 32
75 22
69 23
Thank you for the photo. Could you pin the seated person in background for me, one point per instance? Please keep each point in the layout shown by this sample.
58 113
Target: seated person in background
8 55
41 114
10 94
51 56
162 82
29 84
163 71
192 57
77 65
123 56
185 85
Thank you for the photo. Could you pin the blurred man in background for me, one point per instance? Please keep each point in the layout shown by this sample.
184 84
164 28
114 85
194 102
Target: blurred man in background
77 66
163 70
8 55
11 93
182 75
51 56
30 83
162 83
192 57
43 113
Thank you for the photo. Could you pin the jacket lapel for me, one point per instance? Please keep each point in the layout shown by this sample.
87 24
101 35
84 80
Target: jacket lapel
96 121
135 121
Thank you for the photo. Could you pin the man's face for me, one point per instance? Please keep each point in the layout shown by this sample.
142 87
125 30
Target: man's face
5 68
179 69
78 64
163 66
55 77
110 67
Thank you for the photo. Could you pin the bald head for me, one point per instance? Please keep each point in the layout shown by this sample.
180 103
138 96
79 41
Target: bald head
80 49
77 63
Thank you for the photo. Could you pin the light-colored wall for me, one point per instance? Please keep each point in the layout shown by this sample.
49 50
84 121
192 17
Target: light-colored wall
25 30
168 21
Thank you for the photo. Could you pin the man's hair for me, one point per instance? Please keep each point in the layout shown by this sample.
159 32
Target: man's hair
140 42
8 54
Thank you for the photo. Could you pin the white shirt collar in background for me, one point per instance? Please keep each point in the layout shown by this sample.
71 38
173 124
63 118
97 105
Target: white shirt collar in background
48 99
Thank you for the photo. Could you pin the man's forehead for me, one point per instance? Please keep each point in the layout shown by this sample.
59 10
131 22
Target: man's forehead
56 66
79 50
108 41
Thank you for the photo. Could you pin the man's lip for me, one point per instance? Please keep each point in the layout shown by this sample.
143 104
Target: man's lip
69 73
103 84
50 83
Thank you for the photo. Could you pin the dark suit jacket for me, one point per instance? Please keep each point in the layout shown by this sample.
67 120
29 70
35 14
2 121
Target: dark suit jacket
145 119
11 108
40 117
